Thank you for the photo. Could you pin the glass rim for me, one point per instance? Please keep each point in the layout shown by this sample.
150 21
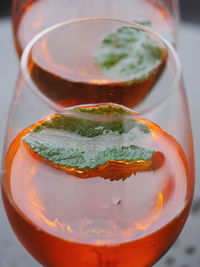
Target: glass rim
60 109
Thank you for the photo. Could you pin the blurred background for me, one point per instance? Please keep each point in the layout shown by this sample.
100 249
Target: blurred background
186 251
190 10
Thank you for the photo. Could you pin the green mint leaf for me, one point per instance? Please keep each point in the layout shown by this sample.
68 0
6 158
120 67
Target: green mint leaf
105 110
84 145
74 158
93 127
129 55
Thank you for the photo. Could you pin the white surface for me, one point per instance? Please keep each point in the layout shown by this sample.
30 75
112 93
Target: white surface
11 252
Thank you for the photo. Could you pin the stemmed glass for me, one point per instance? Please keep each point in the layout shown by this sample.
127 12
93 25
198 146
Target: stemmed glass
31 17
98 167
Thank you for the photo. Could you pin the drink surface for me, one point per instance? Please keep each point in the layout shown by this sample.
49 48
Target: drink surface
58 216
37 15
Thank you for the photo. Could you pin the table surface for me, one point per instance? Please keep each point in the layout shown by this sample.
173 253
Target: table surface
186 251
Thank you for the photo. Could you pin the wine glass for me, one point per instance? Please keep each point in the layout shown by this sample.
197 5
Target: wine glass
31 16
98 164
